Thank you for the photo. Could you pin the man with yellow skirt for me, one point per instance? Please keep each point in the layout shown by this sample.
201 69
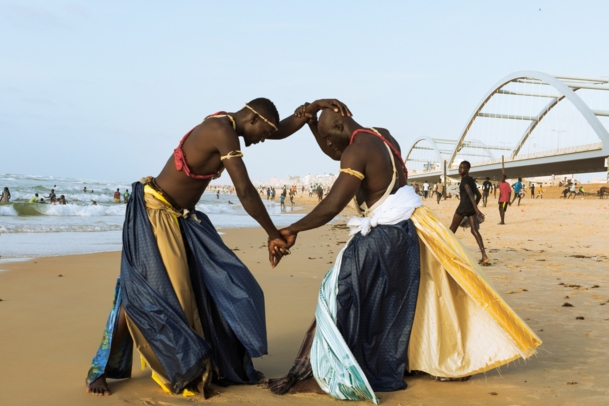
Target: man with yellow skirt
404 294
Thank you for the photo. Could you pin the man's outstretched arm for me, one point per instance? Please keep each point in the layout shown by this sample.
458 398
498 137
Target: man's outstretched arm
287 127
248 195
296 121
342 192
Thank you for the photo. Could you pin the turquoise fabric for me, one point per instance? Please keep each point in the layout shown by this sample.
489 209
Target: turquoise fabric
334 366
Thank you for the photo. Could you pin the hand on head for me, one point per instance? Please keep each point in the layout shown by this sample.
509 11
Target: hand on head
310 109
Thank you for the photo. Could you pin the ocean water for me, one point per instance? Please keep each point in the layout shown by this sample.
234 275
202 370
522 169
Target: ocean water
32 230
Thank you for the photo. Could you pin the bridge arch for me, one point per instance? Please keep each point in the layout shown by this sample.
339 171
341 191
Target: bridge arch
565 86
424 143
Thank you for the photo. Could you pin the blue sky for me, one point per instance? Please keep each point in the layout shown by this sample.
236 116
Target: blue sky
105 90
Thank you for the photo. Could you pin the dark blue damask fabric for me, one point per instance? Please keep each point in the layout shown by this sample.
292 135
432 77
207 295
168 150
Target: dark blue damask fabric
377 294
229 299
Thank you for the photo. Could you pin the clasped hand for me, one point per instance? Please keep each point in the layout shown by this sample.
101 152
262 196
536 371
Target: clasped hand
280 246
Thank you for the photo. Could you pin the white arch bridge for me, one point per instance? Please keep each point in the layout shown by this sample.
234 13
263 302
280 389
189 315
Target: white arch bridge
531 124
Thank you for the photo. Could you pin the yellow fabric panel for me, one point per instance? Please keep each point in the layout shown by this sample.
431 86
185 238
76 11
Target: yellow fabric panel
462 326
166 229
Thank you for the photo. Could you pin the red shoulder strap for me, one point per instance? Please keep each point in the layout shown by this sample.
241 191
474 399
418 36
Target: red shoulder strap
395 151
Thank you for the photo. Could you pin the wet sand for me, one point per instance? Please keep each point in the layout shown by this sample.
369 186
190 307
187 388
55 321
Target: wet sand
550 252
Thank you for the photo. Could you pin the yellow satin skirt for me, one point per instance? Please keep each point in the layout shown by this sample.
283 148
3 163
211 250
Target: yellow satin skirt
461 326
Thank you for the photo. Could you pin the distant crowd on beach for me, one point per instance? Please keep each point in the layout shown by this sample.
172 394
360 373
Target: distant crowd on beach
291 191
52 198
443 191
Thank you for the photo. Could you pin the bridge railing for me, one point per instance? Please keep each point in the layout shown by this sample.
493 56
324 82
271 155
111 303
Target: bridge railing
540 154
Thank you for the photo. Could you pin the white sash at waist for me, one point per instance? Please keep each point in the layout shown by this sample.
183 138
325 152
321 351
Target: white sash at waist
396 208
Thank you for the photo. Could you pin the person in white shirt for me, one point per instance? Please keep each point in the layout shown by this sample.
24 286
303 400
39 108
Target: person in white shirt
425 189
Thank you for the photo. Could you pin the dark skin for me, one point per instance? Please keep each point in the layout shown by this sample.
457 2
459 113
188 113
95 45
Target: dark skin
501 211
519 195
367 154
203 148
473 220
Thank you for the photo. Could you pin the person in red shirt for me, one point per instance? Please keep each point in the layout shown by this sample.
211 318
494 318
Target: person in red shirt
505 193
117 196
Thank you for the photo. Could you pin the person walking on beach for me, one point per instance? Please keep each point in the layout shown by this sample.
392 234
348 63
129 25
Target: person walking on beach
6 196
532 191
126 196
320 193
191 307
468 207
517 189
539 191
381 309
282 197
572 191
440 190
505 194
425 190
117 196
486 190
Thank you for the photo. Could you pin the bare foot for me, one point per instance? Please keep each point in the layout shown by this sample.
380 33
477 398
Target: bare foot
99 387
307 386
210 392
484 261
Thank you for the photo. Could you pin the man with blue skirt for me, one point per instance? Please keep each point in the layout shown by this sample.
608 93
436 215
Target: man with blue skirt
188 304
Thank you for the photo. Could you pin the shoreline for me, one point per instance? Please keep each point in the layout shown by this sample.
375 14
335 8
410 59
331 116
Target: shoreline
52 324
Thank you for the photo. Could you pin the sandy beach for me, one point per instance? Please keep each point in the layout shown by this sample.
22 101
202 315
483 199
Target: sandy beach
550 262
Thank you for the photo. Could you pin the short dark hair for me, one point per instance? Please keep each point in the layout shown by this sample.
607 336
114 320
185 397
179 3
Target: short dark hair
469 166
266 108
487 178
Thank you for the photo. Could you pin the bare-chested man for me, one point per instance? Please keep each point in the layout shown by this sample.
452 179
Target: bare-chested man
390 302
379 275
192 308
